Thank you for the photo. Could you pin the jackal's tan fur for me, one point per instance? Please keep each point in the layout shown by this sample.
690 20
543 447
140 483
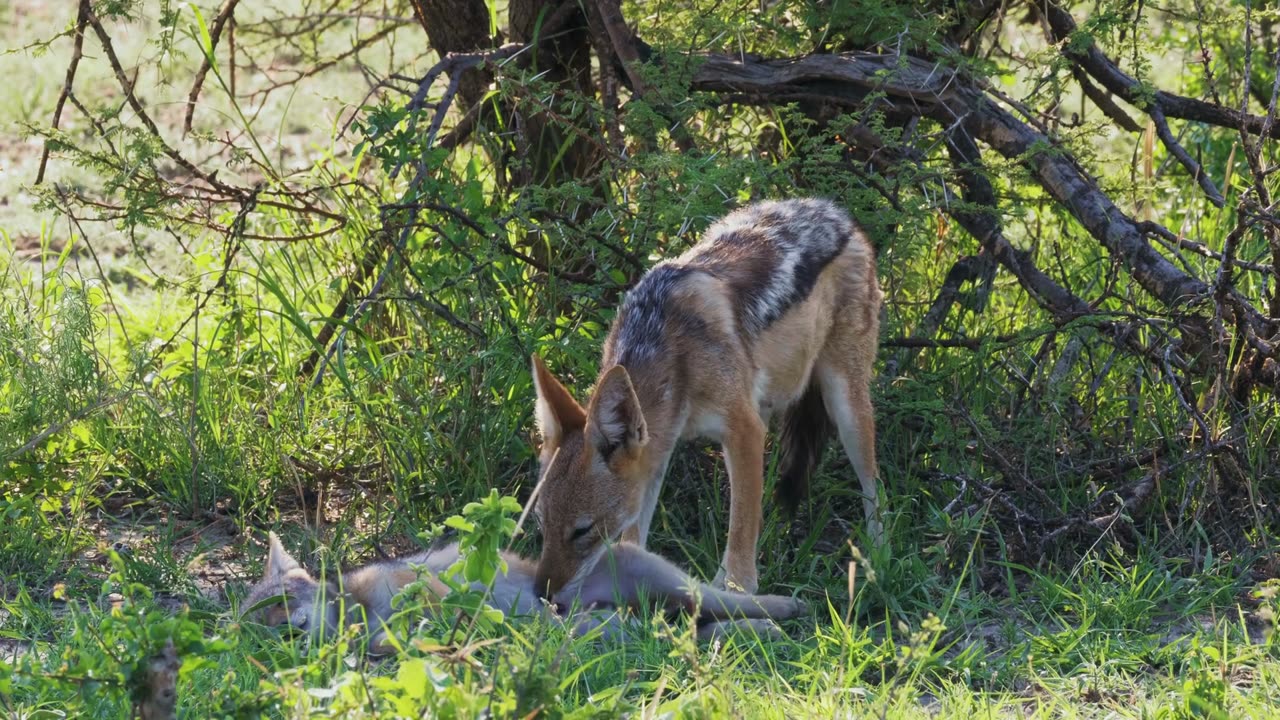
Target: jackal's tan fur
776 310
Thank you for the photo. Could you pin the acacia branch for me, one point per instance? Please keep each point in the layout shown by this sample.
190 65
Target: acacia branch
902 87
1171 144
970 268
1062 27
131 98
1105 102
629 52
978 216
623 42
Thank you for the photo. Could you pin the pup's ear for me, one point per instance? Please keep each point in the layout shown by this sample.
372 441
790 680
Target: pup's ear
279 561
615 419
555 410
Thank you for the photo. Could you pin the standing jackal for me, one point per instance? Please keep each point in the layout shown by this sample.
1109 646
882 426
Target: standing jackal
775 310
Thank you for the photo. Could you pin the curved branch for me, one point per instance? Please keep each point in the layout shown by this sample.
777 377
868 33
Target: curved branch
126 86
1104 101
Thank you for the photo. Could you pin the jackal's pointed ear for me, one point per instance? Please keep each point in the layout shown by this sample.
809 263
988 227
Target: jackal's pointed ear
615 419
279 561
555 410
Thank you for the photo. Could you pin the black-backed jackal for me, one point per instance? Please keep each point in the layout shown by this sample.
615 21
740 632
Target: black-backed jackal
629 577
776 310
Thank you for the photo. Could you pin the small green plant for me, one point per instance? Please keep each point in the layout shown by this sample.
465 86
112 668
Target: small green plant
483 528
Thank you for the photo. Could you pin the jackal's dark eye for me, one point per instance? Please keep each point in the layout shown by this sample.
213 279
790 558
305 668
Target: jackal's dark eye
579 533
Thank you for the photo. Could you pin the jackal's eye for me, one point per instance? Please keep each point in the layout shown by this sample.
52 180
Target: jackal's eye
579 533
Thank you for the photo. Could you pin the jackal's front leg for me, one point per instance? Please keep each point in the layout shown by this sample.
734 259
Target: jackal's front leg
744 459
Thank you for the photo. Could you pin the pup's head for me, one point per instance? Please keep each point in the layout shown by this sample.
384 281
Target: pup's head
309 606
594 477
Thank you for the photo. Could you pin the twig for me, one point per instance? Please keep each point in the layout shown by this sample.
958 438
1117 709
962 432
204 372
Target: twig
77 51
502 247
215 33
1171 144
300 75
1174 240
57 427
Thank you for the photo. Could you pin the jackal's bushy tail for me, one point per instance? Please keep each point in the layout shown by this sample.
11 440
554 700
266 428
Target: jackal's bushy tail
805 427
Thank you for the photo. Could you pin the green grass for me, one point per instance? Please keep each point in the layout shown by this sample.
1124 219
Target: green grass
145 447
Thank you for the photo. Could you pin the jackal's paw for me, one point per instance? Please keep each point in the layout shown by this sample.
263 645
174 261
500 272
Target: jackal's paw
739 582
780 607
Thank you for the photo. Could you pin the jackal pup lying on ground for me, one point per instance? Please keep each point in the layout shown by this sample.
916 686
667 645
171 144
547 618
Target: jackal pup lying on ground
776 309
629 576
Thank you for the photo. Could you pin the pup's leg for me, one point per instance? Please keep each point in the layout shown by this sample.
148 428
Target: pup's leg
629 573
761 628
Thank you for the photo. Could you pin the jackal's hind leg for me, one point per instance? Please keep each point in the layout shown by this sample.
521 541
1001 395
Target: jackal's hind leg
847 395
